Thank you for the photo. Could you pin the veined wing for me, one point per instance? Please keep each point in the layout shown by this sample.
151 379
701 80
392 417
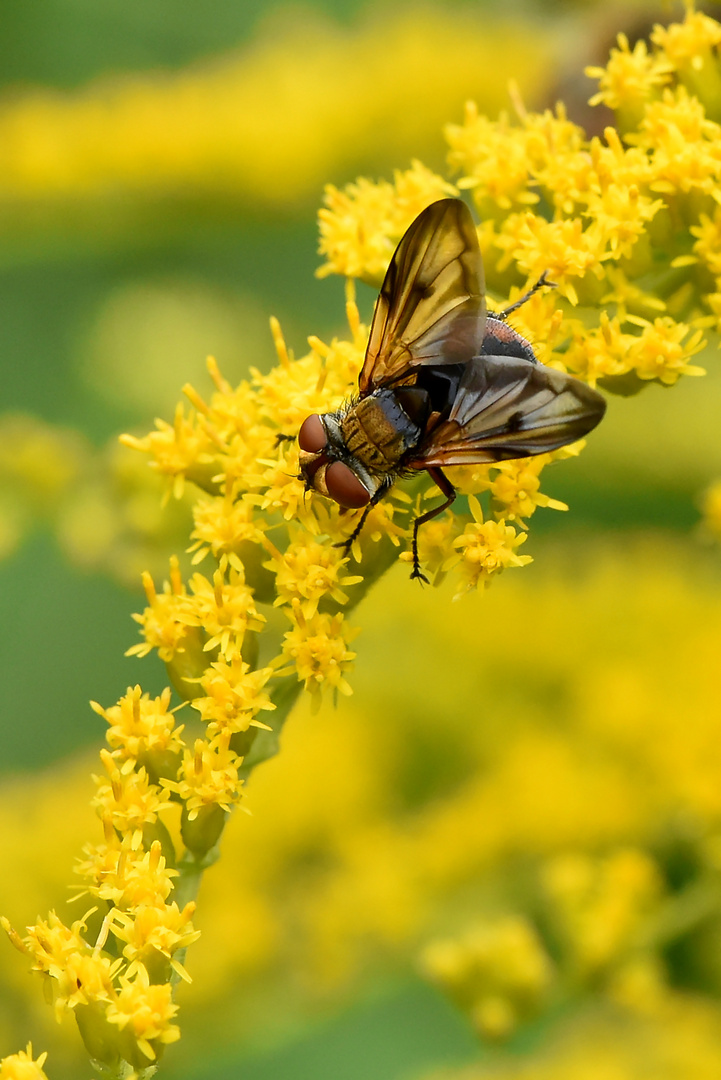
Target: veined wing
510 408
431 308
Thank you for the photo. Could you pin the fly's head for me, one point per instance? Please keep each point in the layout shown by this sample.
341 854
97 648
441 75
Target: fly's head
326 465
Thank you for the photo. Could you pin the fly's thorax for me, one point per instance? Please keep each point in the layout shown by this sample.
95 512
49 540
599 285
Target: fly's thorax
379 429
351 454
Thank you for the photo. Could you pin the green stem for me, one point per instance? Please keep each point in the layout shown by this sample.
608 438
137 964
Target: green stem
265 745
682 913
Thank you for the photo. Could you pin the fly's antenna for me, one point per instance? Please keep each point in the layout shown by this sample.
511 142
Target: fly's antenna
542 283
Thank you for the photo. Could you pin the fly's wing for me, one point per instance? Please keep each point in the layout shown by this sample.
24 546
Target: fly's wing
431 308
507 407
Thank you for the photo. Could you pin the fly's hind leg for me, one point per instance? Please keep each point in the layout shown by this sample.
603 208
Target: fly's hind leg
542 283
446 487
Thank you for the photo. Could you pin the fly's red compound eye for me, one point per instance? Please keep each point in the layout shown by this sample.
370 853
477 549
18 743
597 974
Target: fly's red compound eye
312 437
345 487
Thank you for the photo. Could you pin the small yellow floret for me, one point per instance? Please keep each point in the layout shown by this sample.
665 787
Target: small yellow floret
233 695
516 489
318 650
562 249
690 42
163 623
493 159
175 448
224 608
22 1066
127 799
222 525
79 975
208 776
126 876
141 725
145 1010
661 353
153 928
631 77
308 571
485 548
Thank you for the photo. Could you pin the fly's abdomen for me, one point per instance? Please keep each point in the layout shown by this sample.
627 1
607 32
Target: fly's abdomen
377 431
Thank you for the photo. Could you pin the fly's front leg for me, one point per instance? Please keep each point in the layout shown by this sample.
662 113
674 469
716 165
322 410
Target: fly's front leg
446 487
376 498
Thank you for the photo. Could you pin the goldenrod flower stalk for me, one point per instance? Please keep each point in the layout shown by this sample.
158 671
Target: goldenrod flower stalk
627 227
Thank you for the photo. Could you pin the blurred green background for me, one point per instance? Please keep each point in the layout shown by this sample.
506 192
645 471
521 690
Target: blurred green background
117 278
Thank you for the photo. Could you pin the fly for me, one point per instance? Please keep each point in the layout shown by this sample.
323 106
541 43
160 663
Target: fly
443 382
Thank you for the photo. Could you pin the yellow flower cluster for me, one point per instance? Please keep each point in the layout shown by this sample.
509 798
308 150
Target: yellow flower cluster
602 911
114 968
368 239
104 509
39 467
627 227
607 235
263 614
498 972
121 1015
563 790
530 787
269 536
680 1039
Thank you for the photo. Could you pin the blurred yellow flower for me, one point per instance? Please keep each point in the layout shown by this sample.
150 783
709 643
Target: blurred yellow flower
22 1066
630 79
601 908
498 972
113 152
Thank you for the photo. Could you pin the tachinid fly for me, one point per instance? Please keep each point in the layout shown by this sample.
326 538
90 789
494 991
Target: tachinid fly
443 382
